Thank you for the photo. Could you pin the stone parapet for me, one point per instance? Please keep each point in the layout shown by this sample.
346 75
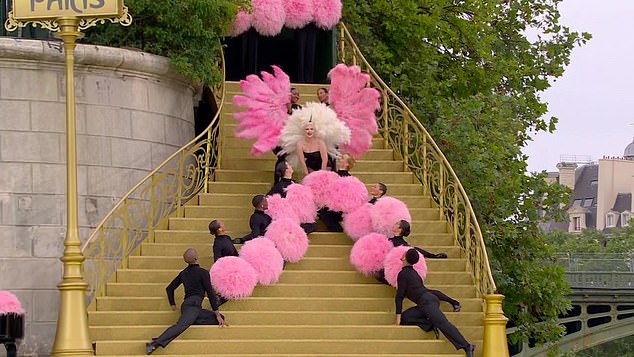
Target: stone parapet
133 110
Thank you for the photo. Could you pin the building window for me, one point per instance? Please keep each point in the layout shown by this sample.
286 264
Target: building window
625 219
609 220
576 203
587 202
576 224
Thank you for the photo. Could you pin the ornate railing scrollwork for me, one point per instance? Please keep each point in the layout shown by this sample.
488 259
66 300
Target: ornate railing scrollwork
148 204
403 132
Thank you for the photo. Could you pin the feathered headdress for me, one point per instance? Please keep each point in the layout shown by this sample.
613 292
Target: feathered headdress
327 127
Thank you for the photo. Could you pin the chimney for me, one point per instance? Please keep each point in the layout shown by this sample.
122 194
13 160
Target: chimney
567 174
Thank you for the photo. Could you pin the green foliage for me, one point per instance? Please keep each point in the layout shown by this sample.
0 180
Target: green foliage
186 31
471 74
619 240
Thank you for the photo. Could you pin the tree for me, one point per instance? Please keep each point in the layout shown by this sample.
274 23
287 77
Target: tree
471 74
188 32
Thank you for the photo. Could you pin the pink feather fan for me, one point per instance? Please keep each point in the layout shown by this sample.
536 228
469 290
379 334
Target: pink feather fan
299 13
268 16
327 13
233 278
9 304
393 264
279 208
265 101
319 183
346 194
241 24
386 213
358 223
289 238
264 258
356 105
369 252
300 198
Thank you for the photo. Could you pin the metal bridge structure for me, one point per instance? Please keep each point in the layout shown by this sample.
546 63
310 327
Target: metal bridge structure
602 303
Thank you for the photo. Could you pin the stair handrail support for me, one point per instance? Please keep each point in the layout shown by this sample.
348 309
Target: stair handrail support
147 206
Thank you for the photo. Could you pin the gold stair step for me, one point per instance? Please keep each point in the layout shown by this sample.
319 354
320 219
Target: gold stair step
242 212
308 263
267 176
296 290
242 224
313 347
244 200
266 332
263 187
290 276
155 303
249 163
430 241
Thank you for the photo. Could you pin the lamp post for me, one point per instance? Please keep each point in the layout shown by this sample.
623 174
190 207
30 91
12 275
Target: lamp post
71 338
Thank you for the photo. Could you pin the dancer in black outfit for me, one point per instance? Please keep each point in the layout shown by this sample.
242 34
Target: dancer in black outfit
259 220
285 171
196 282
426 314
377 191
223 246
402 230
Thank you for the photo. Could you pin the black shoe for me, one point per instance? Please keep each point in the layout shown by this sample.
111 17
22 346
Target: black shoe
437 332
237 241
469 350
457 307
149 348
441 256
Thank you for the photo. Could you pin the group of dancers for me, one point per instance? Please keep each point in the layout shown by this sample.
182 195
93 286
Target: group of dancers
317 136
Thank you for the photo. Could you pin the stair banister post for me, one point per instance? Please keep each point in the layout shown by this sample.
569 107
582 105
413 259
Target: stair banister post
404 138
385 115
208 161
179 187
494 344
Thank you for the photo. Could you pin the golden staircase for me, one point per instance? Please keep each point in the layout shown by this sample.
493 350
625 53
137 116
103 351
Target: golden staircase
321 305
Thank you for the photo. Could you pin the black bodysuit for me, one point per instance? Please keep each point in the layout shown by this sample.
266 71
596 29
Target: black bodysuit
313 160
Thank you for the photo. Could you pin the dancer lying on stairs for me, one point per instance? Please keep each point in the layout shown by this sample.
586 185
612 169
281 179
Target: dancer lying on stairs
402 230
426 314
196 282
259 220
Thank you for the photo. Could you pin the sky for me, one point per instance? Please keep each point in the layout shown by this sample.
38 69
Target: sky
594 100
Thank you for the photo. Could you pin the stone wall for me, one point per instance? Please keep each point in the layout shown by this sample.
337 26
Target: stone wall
132 112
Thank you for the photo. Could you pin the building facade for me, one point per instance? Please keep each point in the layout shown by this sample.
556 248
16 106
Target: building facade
601 193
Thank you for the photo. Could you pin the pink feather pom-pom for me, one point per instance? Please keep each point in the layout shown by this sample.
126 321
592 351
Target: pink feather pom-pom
393 264
386 213
369 252
300 198
268 16
320 182
346 194
264 258
289 238
358 223
327 13
279 208
299 13
9 304
233 278
241 24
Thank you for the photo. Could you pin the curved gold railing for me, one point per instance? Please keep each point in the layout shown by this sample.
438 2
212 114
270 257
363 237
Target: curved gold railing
148 204
406 135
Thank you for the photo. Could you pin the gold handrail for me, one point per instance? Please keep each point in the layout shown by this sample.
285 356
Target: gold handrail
400 128
147 205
